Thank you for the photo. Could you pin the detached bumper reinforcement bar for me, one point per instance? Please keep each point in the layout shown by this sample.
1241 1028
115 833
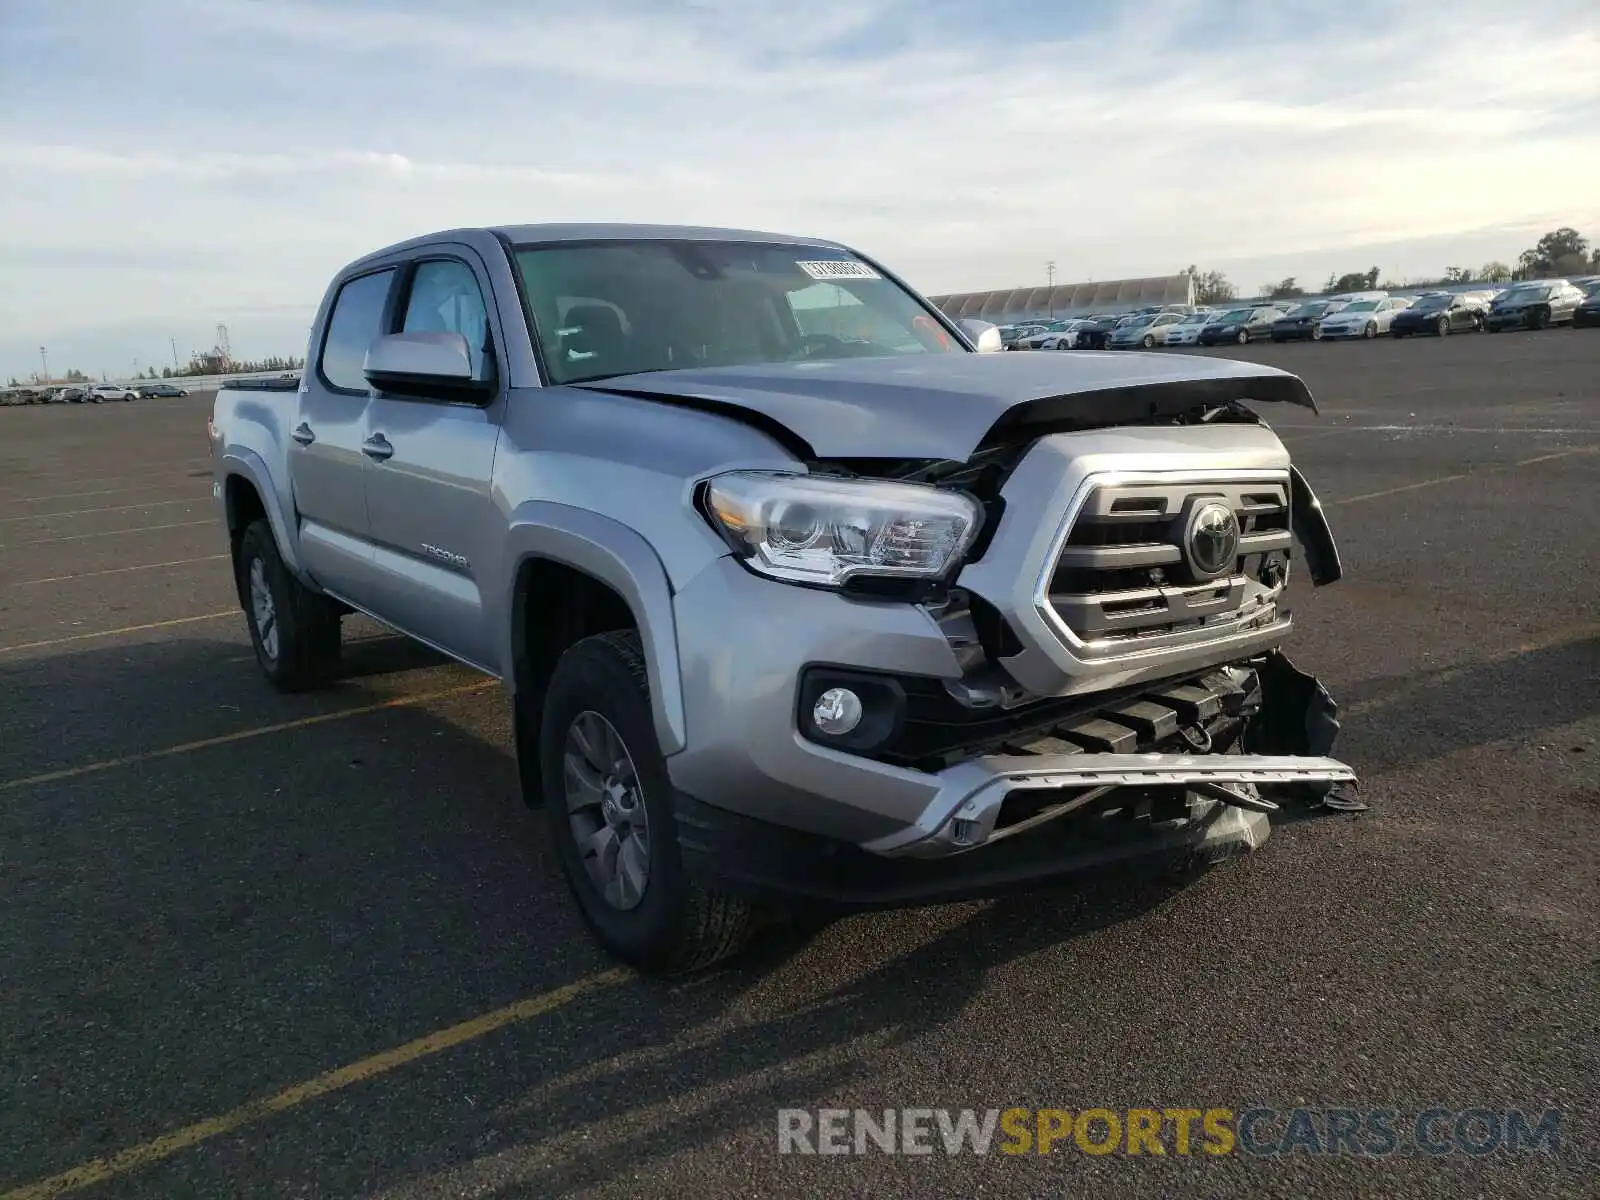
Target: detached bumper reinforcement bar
962 816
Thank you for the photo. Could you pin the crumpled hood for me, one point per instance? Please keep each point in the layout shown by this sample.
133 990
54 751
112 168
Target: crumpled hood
948 406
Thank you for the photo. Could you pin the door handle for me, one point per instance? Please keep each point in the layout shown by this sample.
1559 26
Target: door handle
302 434
377 446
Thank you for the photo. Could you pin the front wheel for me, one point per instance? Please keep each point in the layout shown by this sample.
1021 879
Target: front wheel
294 631
1148 342
609 804
1539 318
1316 333
1244 337
1444 326
1371 331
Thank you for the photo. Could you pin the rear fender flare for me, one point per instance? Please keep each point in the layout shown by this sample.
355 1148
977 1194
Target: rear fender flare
248 465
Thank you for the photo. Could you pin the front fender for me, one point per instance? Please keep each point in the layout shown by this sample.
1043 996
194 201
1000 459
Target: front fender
624 561
1310 525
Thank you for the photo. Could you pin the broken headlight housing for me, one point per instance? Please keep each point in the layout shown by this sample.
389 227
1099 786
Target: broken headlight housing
827 531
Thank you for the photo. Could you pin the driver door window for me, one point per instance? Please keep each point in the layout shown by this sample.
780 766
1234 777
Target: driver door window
445 298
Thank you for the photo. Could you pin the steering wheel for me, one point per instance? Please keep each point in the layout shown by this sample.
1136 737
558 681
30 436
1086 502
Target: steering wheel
811 343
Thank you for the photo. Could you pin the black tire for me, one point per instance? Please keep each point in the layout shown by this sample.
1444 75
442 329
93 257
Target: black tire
678 926
1316 333
1539 318
306 623
1371 331
1444 326
1244 337
1149 342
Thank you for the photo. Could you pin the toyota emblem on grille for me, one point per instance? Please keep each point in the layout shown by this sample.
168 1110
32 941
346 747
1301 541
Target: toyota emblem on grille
1213 541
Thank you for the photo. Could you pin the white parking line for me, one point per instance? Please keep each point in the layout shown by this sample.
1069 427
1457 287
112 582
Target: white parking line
75 537
84 512
176 562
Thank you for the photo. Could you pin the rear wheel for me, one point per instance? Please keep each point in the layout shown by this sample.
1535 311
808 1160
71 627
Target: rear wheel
1539 318
1316 333
609 803
1149 341
1244 337
294 631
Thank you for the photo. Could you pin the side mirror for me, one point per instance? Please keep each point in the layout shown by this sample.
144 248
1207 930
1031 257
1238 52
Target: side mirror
984 336
427 364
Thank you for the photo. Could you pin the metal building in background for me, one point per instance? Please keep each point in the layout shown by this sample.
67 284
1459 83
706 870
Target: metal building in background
1068 299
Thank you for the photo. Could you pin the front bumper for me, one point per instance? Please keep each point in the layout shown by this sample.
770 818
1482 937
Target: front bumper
1585 317
1510 320
745 645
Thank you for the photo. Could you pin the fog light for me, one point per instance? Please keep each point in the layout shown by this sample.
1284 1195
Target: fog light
837 711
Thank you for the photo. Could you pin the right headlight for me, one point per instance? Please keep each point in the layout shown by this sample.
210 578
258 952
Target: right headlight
825 531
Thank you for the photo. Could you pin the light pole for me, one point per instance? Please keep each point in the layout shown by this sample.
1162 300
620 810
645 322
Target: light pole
45 359
1050 281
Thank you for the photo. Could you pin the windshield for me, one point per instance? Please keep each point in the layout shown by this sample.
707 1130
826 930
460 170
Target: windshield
1238 314
1527 293
1199 318
1141 322
1432 303
1308 310
616 308
1361 306
1592 289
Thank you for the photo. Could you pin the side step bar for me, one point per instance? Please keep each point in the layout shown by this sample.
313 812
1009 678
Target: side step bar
962 816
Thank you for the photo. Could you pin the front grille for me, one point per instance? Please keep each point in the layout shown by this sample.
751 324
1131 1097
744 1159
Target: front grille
1125 580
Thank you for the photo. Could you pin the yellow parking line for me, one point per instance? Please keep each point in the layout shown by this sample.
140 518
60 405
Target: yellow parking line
241 735
138 487
84 637
176 562
84 512
77 537
1427 483
98 1170
1395 491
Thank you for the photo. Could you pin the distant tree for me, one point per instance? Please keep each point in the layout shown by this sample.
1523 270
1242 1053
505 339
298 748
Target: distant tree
1494 272
1457 274
1354 281
1562 251
1284 289
1210 287
74 375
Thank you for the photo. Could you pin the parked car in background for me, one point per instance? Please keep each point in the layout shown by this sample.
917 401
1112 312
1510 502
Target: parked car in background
1093 335
1364 318
1148 330
1066 338
1244 325
1012 336
112 391
1187 331
1303 322
1047 329
1537 304
1588 310
68 395
1440 313
162 390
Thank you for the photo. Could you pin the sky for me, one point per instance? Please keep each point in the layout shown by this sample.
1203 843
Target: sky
168 165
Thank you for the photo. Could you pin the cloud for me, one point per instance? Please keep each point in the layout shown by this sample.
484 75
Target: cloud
243 150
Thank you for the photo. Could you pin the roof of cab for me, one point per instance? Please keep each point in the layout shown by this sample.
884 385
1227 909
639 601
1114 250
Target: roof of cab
599 230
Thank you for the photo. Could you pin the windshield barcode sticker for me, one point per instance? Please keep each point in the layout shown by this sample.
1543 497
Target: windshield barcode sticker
835 269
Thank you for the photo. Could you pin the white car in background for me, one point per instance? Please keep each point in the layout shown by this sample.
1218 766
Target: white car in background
1187 331
1368 318
110 391
1065 338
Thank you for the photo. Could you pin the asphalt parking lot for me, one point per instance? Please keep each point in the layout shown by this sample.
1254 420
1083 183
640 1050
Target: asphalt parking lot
233 920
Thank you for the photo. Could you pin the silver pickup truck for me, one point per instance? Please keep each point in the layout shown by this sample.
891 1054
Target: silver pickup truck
803 598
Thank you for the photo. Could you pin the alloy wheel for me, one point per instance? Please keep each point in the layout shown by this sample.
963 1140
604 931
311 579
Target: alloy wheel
606 810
